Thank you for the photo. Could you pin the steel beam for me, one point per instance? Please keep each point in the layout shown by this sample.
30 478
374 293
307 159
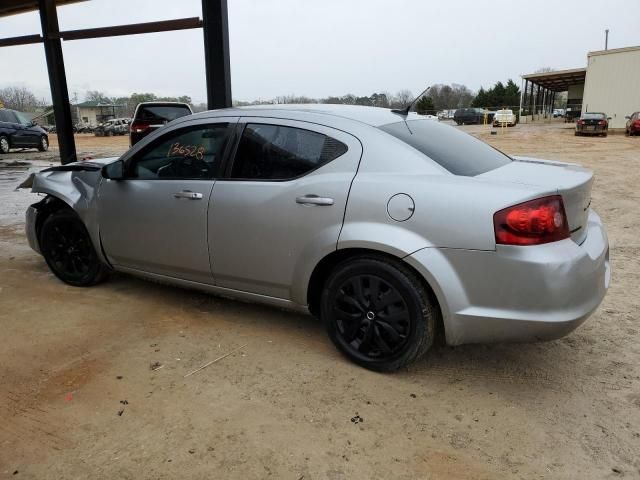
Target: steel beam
132 29
57 80
215 24
22 40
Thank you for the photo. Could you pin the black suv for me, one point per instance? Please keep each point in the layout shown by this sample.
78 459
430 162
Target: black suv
466 116
150 116
18 131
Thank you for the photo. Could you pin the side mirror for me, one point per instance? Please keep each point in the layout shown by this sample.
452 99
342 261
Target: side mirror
627 117
608 118
114 171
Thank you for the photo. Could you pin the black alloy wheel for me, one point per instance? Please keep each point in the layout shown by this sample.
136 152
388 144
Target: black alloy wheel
378 313
67 249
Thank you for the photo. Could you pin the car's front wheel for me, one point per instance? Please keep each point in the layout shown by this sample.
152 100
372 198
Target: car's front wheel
43 146
378 313
4 144
67 249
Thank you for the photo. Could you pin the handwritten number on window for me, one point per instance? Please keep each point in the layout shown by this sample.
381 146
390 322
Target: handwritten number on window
187 151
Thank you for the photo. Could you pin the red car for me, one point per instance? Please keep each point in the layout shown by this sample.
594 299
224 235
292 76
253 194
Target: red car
633 124
593 123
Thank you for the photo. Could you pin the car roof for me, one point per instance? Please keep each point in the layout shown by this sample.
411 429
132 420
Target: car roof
374 116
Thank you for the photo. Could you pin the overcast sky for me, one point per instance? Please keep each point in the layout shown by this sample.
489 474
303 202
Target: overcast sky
323 47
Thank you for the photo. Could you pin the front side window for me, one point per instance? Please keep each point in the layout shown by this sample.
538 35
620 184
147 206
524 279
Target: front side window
275 152
193 153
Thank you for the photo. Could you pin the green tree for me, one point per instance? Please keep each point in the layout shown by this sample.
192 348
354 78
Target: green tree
425 106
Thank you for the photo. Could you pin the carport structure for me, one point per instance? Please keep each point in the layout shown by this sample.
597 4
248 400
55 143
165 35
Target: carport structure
215 27
540 89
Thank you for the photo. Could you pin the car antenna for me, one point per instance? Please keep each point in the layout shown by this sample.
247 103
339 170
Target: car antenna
405 111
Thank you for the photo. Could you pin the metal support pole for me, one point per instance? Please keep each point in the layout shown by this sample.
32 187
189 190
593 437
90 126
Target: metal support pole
57 80
531 102
215 24
538 103
522 94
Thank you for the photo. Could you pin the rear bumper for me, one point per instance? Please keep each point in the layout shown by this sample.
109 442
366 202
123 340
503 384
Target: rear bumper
518 294
596 131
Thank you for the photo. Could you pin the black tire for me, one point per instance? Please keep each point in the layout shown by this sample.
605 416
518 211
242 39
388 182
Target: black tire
5 145
360 326
43 146
68 251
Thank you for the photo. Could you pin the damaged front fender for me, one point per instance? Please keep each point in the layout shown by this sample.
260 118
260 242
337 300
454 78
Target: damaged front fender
77 186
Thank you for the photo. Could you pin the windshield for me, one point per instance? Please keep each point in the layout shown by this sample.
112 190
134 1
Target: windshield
456 151
22 118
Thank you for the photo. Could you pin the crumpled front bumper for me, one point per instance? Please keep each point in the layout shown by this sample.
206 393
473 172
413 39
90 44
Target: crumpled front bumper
30 228
518 293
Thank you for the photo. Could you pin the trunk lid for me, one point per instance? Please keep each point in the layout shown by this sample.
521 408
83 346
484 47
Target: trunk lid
571 181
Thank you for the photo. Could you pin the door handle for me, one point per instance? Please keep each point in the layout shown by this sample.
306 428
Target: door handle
314 200
188 194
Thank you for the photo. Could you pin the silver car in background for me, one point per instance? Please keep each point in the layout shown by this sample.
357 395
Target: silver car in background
388 227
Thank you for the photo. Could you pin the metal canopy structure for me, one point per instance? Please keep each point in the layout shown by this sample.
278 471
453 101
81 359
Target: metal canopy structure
539 92
558 81
216 52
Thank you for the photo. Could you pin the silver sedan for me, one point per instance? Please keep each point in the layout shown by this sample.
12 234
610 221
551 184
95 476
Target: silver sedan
389 227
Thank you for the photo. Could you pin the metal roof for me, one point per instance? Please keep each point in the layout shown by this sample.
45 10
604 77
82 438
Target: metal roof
559 80
14 7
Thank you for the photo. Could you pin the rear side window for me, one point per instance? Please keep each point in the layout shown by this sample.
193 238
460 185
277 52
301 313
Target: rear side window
161 114
274 152
7 116
456 151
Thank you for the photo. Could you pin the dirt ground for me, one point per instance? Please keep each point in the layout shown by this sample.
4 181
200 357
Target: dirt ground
93 380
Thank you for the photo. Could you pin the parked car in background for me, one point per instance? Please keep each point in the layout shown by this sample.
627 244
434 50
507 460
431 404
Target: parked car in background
505 117
150 116
467 116
115 126
18 131
558 112
386 226
593 123
633 124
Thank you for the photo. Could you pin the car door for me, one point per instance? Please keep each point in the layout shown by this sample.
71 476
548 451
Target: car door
26 135
280 208
155 220
19 137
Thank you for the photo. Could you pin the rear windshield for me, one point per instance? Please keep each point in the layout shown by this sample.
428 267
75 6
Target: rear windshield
593 116
161 113
456 151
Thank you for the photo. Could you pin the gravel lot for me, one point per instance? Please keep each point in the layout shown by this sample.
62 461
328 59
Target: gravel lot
93 380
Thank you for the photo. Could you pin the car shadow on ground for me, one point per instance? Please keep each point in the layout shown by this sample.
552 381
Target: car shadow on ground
537 364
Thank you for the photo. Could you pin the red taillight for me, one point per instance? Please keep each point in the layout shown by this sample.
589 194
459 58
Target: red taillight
580 122
602 122
538 221
139 127
637 123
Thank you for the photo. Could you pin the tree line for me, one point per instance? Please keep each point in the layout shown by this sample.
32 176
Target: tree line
439 97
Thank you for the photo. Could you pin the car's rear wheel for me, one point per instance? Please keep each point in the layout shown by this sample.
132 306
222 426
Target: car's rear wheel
378 313
43 146
4 144
67 249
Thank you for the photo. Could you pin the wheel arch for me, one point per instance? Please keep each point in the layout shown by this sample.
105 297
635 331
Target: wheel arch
324 267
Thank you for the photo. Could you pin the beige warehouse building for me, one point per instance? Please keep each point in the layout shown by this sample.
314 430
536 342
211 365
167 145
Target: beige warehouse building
610 84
